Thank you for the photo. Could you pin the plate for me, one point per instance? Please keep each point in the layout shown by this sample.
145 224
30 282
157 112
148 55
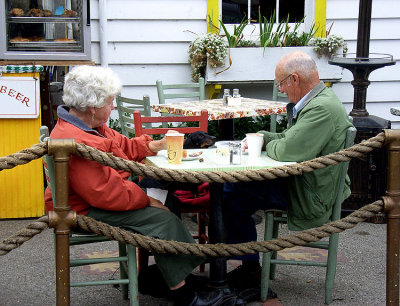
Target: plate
164 154
225 143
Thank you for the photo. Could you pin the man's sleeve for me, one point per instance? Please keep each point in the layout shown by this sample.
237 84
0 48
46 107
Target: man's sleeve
304 140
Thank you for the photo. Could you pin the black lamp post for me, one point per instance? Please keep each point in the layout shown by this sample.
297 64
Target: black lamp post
368 175
362 63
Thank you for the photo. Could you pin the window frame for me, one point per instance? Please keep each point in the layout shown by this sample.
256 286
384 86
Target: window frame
252 31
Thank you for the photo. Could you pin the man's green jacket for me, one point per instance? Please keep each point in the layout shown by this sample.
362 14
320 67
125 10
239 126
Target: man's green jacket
319 128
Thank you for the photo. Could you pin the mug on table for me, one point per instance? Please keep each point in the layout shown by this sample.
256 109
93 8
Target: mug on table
254 144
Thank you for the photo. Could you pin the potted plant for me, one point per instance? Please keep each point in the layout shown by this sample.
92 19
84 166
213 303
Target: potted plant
207 49
257 64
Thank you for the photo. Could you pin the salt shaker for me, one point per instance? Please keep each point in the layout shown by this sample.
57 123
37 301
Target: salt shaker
226 96
235 153
235 93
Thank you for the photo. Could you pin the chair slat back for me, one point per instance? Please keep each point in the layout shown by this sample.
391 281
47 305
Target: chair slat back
276 94
126 107
140 120
163 94
337 206
48 163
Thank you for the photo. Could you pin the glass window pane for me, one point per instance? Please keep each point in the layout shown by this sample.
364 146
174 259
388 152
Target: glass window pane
293 8
233 11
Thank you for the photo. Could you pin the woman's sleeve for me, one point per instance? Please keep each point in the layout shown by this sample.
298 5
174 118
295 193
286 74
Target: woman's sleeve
104 187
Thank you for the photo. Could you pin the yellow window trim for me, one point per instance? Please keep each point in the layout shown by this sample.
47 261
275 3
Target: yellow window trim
213 15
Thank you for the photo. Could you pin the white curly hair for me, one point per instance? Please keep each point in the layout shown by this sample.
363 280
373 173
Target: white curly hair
86 86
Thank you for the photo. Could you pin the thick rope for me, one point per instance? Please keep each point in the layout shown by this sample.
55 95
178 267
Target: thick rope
24 156
24 235
211 250
118 163
220 249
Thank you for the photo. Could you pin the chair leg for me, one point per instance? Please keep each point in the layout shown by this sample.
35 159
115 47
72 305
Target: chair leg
201 230
331 267
122 271
266 258
143 258
272 128
132 274
275 231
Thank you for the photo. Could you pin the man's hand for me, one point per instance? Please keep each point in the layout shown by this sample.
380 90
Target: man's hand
156 203
244 144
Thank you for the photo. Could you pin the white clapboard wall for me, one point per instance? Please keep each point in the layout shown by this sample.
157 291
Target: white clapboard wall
383 92
148 40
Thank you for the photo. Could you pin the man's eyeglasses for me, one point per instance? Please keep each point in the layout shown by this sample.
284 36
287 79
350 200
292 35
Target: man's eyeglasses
279 84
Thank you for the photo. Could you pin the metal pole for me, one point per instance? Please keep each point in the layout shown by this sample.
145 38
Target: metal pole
392 209
62 218
364 26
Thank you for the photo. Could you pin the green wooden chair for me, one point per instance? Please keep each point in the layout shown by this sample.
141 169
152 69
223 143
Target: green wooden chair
276 96
274 217
194 91
126 107
127 253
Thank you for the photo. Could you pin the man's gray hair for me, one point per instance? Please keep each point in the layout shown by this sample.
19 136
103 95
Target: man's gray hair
300 63
86 86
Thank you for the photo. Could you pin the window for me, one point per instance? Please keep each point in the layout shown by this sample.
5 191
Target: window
233 11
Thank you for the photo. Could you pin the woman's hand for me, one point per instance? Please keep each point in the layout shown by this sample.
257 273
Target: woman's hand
157 204
158 145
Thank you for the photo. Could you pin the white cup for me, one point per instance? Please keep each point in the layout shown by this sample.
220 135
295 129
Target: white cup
254 144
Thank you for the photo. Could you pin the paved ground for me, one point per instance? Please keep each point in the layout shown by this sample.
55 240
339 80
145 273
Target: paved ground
28 277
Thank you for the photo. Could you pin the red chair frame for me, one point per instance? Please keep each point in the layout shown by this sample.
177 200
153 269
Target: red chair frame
139 120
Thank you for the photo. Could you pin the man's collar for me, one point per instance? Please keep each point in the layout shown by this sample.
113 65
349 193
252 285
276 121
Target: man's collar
311 94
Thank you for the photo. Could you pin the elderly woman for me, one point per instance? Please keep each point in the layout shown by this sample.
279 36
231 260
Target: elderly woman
105 194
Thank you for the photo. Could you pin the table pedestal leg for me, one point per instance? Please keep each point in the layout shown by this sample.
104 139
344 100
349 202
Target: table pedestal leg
225 129
217 235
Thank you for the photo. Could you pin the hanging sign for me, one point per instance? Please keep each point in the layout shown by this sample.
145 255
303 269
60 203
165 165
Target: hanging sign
19 97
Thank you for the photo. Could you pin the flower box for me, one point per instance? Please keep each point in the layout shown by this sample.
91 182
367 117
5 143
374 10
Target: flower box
253 65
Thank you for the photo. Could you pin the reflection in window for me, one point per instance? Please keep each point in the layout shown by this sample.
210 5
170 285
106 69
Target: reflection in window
233 11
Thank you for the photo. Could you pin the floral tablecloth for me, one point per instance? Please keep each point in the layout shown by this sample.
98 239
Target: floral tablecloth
217 110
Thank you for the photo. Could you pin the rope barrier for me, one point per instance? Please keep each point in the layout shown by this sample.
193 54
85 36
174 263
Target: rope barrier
173 247
24 235
24 156
211 250
358 150
118 163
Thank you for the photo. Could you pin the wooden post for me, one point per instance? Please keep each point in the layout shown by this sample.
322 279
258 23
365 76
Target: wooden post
62 218
392 209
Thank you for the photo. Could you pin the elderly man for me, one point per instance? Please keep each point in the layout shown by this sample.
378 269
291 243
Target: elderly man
318 128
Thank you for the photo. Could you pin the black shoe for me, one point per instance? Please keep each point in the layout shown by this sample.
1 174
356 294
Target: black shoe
243 278
212 298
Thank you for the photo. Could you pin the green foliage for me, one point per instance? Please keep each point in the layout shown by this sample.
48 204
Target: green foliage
205 47
255 124
237 36
328 45
115 125
243 43
283 35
